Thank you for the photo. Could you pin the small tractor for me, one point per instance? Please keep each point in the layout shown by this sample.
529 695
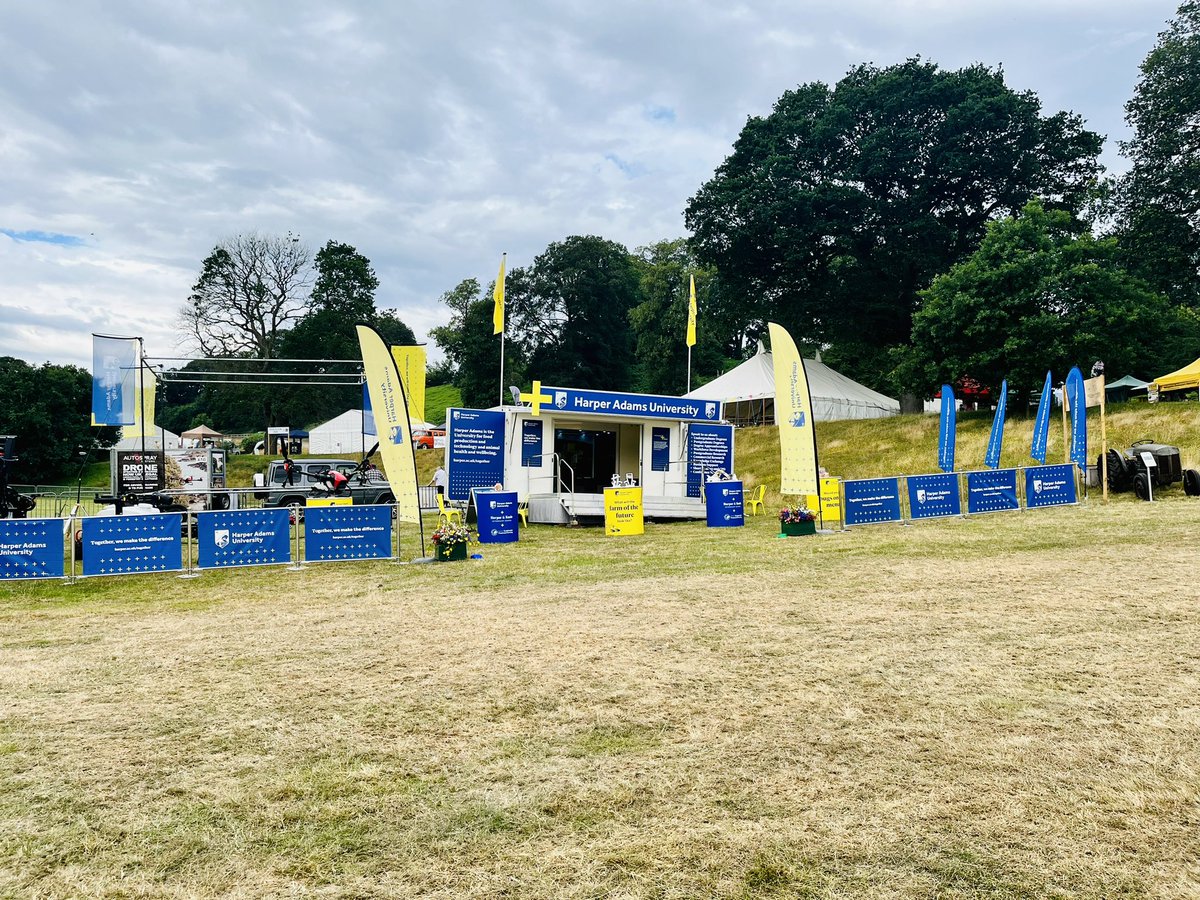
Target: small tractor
1145 467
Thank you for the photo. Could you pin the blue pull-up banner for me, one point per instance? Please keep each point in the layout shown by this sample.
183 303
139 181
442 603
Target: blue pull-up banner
932 496
1076 398
993 491
347 532
31 548
243 537
947 430
129 544
873 500
996 438
1049 486
1041 424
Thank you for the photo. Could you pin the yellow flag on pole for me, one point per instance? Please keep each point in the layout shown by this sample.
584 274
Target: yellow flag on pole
391 422
498 296
691 335
793 416
143 407
411 363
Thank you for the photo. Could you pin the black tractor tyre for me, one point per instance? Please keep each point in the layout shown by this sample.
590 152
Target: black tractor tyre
1191 482
1141 486
1119 471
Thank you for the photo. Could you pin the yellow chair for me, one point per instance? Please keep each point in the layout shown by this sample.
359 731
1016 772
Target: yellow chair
523 512
449 513
754 500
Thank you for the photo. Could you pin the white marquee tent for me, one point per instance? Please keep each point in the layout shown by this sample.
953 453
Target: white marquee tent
343 435
748 393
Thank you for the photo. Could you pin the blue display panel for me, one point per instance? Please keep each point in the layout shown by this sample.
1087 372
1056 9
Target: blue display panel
122 545
31 548
660 449
531 442
496 513
933 496
347 532
244 537
710 447
993 491
870 501
1049 486
475 442
723 504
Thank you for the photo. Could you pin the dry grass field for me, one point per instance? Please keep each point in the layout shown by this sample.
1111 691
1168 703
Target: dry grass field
1006 706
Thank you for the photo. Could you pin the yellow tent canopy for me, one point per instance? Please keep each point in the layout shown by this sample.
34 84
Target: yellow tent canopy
1187 377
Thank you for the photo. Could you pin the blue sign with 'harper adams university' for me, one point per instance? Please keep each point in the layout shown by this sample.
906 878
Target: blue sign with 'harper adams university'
933 496
245 537
496 516
723 503
31 548
1049 486
643 406
475 450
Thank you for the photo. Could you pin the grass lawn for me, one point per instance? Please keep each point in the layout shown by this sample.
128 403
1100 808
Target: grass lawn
997 707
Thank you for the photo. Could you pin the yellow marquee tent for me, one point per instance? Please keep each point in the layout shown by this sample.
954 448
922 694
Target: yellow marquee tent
1181 379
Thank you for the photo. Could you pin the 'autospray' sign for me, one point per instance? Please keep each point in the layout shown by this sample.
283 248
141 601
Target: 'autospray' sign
476 450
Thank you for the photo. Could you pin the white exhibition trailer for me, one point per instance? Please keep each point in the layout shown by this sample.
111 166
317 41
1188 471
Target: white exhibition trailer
562 451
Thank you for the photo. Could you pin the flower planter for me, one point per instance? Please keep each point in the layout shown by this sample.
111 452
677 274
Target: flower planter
450 553
795 529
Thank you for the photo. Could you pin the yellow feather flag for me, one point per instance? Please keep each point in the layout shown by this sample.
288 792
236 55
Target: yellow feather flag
498 296
691 335
391 422
411 363
793 416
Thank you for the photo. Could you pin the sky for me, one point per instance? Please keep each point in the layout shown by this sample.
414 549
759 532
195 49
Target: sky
432 136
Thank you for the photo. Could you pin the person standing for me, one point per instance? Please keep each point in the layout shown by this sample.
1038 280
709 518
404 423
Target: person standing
439 480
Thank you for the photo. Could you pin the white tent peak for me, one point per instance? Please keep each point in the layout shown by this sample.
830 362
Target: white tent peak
748 393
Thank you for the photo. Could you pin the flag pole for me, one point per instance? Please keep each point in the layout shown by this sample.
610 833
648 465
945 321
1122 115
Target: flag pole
499 319
689 371
1103 441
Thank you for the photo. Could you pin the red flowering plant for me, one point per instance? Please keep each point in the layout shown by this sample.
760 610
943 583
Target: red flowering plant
449 534
792 515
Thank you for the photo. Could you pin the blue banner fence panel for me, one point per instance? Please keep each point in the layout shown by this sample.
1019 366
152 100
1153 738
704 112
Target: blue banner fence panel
871 501
994 490
244 537
1049 486
934 496
32 548
132 544
338 533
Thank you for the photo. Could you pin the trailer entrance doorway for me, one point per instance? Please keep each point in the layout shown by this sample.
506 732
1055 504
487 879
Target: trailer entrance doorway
591 454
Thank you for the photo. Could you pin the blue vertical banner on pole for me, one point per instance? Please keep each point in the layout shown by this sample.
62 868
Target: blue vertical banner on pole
1077 400
243 537
947 430
31 548
660 449
933 496
114 379
996 439
368 413
872 500
710 447
1049 486
993 491
129 544
1041 424
531 443
475 450
347 532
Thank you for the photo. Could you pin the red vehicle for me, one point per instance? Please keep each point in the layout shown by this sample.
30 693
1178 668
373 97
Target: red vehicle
427 439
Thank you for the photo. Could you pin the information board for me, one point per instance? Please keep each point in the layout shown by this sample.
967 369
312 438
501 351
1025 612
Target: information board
476 450
1049 486
623 511
994 490
933 496
496 516
531 442
137 473
31 548
709 447
723 504
347 532
660 449
872 500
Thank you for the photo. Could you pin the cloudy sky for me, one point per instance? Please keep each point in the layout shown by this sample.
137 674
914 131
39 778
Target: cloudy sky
432 135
